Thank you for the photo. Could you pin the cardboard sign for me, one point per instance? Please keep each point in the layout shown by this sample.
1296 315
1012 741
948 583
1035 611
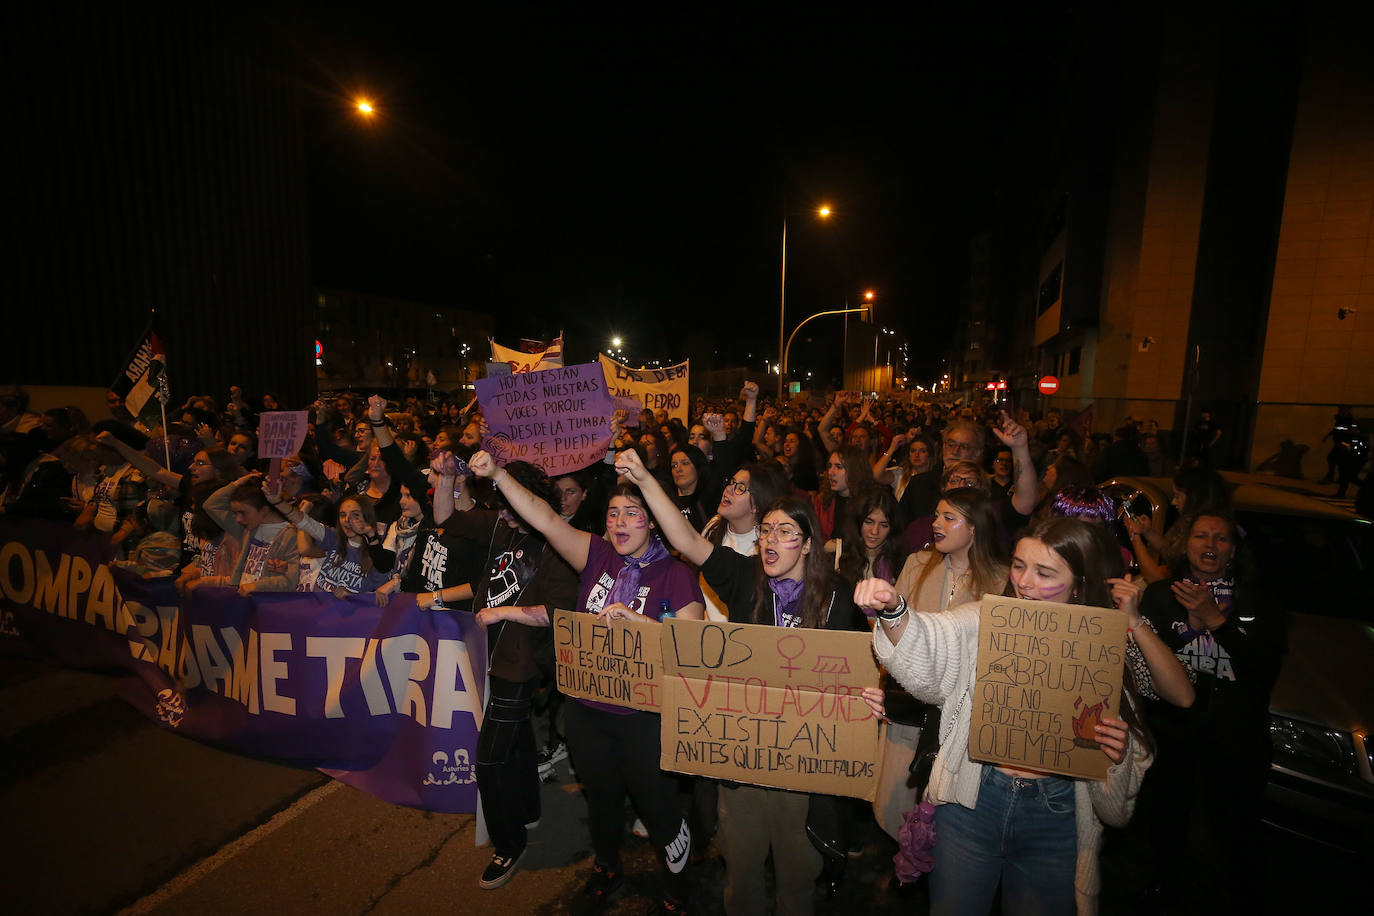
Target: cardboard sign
558 419
1047 673
281 433
656 389
618 664
771 706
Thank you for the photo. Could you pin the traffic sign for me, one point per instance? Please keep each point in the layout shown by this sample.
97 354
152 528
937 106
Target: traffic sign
1048 384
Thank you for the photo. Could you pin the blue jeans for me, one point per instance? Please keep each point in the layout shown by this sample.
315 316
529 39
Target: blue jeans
1023 833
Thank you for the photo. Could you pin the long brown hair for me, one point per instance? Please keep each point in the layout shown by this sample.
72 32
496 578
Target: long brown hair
987 560
1093 557
820 582
854 556
369 511
858 474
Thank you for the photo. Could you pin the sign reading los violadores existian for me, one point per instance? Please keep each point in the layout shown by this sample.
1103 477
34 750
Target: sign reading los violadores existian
617 663
1047 675
769 706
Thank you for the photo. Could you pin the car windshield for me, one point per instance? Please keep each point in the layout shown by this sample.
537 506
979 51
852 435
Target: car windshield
1314 565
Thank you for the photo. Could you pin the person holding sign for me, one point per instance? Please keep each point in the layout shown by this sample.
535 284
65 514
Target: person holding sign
787 584
1035 833
967 562
616 750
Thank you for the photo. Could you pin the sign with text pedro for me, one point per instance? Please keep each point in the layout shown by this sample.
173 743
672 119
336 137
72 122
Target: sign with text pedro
770 706
1047 674
618 664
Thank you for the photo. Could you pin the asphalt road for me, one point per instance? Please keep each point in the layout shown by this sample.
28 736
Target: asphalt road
104 812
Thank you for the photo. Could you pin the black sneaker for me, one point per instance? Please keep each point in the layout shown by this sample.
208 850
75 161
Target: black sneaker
605 881
551 755
501 870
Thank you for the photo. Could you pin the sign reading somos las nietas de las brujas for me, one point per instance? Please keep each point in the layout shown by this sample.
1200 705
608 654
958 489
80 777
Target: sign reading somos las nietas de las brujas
1047 674
770 706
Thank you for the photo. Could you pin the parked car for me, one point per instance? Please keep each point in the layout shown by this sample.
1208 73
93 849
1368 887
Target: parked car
1315 558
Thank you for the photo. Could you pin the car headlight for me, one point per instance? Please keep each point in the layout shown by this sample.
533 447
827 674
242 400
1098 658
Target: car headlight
1311 748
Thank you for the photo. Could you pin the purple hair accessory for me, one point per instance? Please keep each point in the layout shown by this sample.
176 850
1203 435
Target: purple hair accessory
1087 503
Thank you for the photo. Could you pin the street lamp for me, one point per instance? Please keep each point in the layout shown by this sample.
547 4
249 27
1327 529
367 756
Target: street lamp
365 108
782 371
823 212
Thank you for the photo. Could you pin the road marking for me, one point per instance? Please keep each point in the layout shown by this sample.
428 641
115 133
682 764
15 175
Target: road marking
226 852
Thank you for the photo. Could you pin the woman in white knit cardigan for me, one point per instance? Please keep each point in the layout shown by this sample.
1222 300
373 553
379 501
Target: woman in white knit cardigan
1035 833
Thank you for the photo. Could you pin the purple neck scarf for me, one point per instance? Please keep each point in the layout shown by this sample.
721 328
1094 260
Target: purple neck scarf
786 598
626 588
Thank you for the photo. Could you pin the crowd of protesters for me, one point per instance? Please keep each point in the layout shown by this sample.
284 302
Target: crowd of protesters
860 514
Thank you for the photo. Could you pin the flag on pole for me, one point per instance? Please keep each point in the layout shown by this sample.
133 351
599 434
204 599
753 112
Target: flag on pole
143 383
545 356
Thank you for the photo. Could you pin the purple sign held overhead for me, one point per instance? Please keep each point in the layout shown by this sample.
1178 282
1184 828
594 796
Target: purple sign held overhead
281 433
558 419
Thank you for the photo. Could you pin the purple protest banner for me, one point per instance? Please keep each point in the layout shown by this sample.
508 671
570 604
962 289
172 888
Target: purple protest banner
393 696
558 419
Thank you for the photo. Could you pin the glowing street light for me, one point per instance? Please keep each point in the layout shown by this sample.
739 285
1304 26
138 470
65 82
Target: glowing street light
615 341
823 212
365 108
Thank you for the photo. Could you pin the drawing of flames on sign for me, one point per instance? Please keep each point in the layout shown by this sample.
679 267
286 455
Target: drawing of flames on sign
1086 722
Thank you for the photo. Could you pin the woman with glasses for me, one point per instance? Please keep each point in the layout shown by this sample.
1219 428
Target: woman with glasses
1034 834
627 574
749 491
788 584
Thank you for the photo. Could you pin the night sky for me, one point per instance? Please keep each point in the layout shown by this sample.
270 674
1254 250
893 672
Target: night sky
629 175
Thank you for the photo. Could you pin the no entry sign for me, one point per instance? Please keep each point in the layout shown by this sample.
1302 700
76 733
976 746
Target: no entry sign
1048 384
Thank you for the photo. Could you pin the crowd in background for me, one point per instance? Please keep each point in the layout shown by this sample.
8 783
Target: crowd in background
861 513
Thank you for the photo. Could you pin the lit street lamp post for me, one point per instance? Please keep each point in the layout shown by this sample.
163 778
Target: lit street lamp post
823 212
